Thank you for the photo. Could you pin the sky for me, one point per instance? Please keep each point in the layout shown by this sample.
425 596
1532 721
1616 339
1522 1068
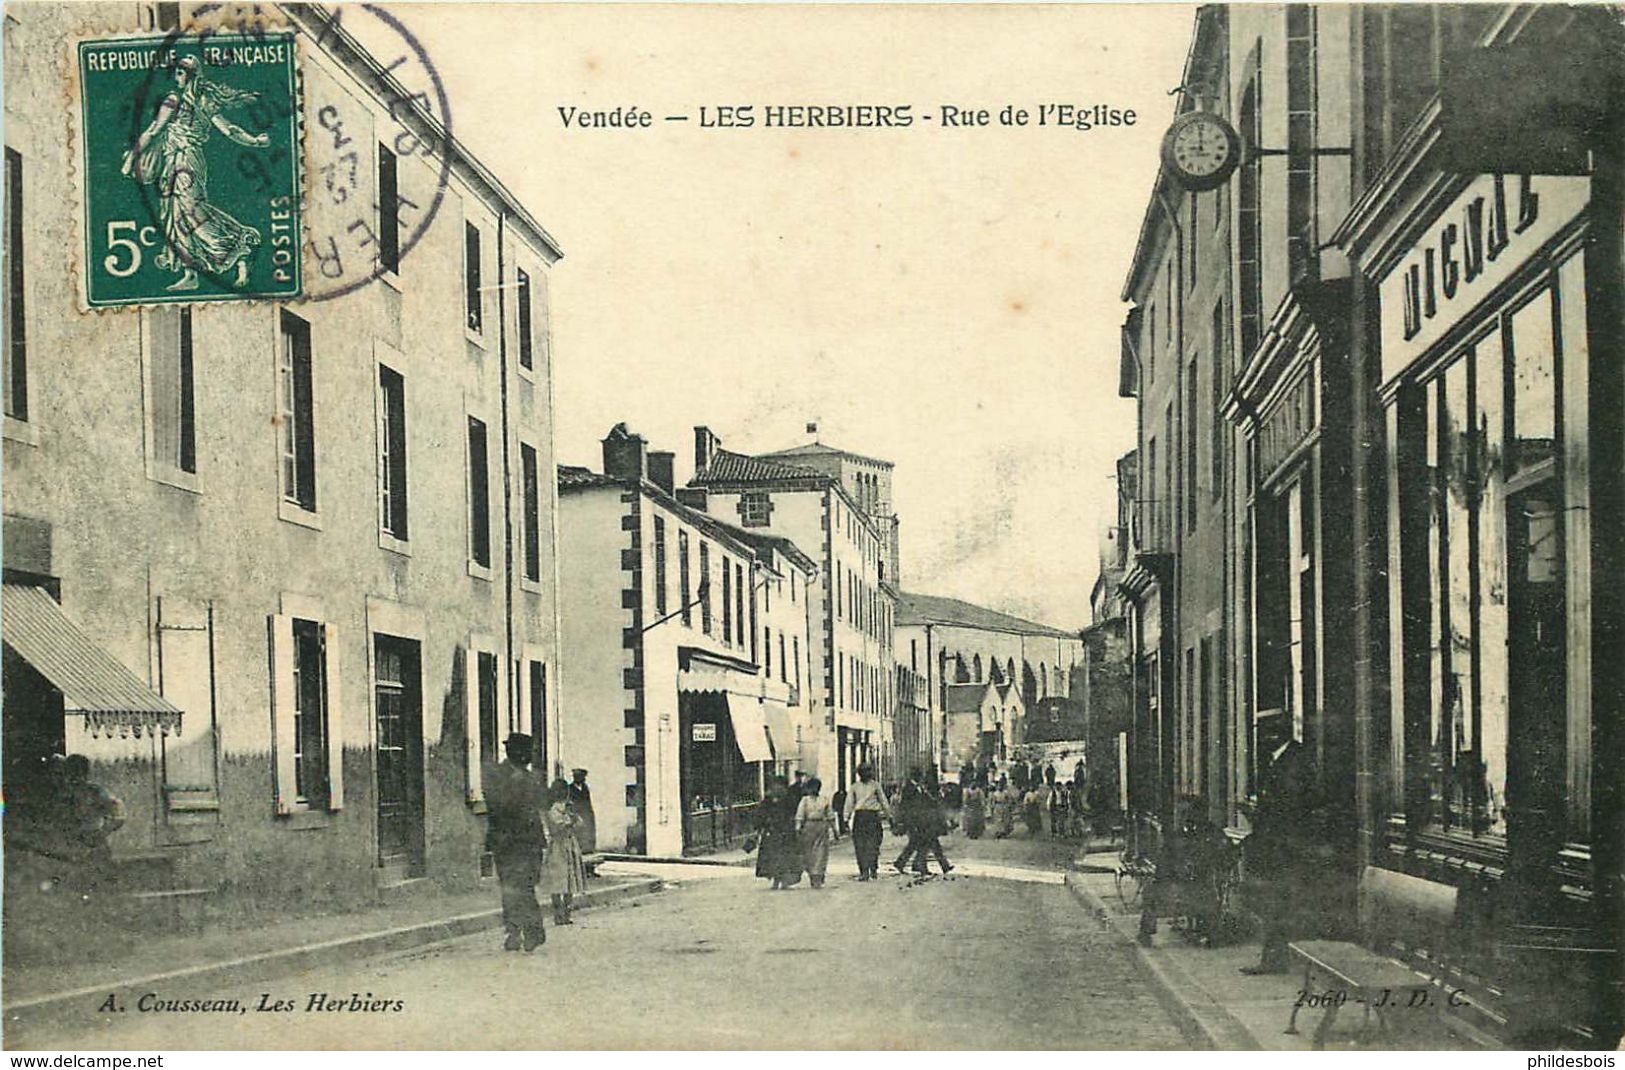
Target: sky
946 299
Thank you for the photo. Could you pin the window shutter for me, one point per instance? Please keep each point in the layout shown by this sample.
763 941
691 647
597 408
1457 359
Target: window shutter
471 720
284 783
335 718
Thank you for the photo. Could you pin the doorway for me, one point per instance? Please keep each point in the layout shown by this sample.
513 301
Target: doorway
399 705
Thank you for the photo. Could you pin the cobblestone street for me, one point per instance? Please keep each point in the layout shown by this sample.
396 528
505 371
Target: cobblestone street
976 960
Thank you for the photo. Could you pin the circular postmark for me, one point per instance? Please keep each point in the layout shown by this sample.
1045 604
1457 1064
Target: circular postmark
333 203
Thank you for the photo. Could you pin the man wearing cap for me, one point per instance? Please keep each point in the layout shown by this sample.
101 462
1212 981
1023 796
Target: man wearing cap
514 835
581 803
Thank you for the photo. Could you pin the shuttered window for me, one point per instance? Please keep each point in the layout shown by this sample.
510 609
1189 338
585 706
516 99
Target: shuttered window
479 495
389 204
16 350
533 513
471 278
527 358
172 406
297 430
392 499
308 746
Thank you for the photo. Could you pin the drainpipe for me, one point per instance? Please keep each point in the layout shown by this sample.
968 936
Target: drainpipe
514 712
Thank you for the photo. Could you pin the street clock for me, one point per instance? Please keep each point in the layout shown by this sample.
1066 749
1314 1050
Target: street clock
1201 150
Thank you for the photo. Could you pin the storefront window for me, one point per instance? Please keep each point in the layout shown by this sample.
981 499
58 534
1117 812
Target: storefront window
1473 627
1490 410
1534 398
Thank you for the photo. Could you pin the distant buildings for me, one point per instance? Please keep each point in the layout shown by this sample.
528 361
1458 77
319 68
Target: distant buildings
954 642
823 507
687 642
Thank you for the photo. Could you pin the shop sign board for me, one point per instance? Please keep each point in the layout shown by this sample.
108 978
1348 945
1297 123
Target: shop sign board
1469 249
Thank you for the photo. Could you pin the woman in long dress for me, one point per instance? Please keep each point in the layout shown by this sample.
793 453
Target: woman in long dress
974 811
778 855
198 235
563 874
815 818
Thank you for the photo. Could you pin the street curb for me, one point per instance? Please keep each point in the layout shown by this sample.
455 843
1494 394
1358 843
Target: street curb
83 1002
672 860
1179 993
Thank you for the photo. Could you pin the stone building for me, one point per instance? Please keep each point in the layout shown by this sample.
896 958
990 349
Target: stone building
688 643
818 509
962 643
1409 304
317 533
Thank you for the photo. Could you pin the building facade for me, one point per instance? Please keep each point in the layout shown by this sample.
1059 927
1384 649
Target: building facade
961 643
851 652
314 530
1414 455
686 641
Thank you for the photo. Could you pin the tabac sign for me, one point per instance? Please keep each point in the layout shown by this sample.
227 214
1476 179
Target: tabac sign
1472 247
190 157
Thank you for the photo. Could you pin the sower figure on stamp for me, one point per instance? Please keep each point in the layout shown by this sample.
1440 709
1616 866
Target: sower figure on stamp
515 838
198 235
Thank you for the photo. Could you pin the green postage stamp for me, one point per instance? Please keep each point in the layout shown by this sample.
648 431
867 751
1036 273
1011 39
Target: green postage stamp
191 168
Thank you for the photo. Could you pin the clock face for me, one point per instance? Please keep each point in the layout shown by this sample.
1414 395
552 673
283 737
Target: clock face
1201 150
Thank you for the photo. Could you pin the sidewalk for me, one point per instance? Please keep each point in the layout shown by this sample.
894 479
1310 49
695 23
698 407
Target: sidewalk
223 956
1206 991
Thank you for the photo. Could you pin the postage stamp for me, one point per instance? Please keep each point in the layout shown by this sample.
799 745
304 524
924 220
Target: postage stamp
190 168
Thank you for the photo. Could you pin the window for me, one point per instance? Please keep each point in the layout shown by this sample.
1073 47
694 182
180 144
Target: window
1169 511
489 727
755 509
389 209
308 769
767 652
538 714
1404 46
1193 415
660 566
1151 531
838 596
1218 345
739 603
527 358
298 414
795 650
727 601
531 477
683 578
172 407
1484 581
392 452
1302 106
479 500
472 297
784 673
705 587
16 351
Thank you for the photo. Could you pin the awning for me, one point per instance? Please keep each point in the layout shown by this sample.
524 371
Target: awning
780 732
750 731
711 678
111 697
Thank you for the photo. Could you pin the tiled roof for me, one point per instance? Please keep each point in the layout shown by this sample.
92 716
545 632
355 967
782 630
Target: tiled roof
730 467
965 698
819 448
932 609
575 475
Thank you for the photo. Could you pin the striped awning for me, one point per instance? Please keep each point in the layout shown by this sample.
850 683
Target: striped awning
112 699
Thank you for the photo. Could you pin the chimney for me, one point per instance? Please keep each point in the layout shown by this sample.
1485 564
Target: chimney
660 470
706 446
693 497
625 455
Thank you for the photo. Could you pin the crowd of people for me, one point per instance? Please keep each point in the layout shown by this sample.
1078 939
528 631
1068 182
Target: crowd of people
1038 798
796 822
539 835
